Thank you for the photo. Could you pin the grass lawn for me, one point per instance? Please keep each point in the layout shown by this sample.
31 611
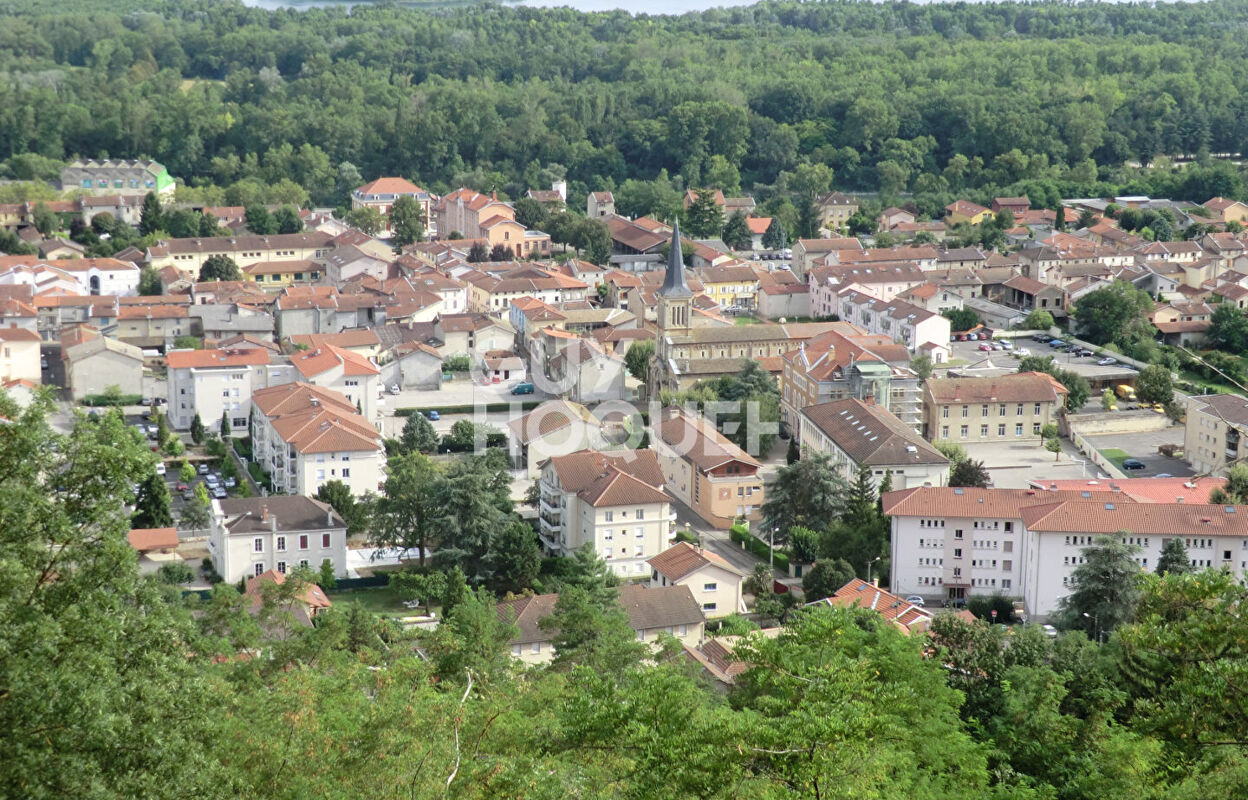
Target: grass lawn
379 600
745 319
1115 455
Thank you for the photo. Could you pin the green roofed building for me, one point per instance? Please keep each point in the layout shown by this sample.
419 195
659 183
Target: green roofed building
117 177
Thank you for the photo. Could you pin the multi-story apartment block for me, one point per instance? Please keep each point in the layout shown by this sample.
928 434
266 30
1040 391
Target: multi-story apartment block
383 192
952 543
212 383
614 501
344 371
305 436
1012 407
252 535
188 255
706 471
1216 433
903 322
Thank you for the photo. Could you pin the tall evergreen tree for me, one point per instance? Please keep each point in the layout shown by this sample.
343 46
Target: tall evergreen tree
152 216
225 424
197 429
1174 558
151 506
418 435
1105 588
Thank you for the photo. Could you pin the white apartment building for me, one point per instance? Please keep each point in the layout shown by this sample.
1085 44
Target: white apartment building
854 433
952 543
343 371
252 535
305 436
614 501
212 383
188 255
901 321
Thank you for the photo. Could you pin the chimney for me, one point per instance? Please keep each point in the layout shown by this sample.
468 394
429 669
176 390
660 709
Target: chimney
273 522
1178 500
264 513
329 516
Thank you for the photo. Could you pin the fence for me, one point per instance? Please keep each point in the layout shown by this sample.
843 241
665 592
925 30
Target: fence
1086 448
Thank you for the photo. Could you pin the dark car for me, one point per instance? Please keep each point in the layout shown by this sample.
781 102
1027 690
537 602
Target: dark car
523 388
1132 463
1056 343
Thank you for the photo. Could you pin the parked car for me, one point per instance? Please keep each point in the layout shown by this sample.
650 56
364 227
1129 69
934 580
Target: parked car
915 600
1085 353
1056 343
229 483
188 495
1007 345
394 388
1105 362
1022 351
984 347
160 468
433 415
203 469
1132 463
523 388
182 487
219 493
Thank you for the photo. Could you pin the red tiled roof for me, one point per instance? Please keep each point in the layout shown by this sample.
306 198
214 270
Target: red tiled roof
144 539
202 359
327 357
390 186
683 558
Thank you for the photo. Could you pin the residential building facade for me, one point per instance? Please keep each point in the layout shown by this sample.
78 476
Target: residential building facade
854 433
212 384
1013 407
252 535
719 481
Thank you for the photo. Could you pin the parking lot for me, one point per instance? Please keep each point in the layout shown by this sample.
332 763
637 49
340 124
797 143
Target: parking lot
974 361
1012 464
1143 448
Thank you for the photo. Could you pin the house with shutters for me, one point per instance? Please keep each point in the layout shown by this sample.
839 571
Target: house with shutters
253 535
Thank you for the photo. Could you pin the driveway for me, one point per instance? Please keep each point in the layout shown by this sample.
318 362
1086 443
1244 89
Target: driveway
1143 447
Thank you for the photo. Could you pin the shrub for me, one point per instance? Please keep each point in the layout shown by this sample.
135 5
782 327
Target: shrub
459 363
175 572
98 400
982 606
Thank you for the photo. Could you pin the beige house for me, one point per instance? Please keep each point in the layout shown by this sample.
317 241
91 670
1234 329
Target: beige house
1011 407
383 192
19 355
705 471
153 325
305 436
1228 210
252 535
651 612
835 209
188 255
614 501
351 374
715 584
854 433
93 365
555 428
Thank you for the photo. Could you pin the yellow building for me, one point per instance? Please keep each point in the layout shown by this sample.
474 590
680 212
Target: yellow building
277 275
964 211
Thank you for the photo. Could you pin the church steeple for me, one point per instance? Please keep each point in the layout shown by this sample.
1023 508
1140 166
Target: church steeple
674 284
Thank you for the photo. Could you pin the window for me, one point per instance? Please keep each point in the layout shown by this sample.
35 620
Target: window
944 431
1007 565
640 533
536 648
515 649
257 545
966 431
984 411
325 539
609 516
983 430
708 606
259 570
1005 583
1007 546
608 534
1035 428
1001 429
710 587
303 541
1037 409
944 412
1018 429
281 543
1001 410
346 472
641 513
966 411
957 552
281 567
1020 409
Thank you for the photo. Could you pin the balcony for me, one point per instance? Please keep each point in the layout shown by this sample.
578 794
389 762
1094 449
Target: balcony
550 505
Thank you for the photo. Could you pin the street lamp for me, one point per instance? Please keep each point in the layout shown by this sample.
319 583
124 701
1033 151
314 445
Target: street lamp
771 549
869 563
1096 624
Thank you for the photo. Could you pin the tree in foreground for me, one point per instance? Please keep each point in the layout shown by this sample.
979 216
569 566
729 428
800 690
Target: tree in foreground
1104 589
408 511
407 221
197 429
637 359
340 497
97 662
1155 384
418 435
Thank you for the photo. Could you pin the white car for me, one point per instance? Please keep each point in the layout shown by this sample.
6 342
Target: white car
1022 351
160 468
394 388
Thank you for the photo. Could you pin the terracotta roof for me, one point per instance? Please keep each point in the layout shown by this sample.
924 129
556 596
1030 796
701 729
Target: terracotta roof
389 186
682 558
327 357
906 616
1184 326
758 225
144 539
697 441
278 267
870 434
1110 516
356 337
550 416
1021 387
152 312
829 245
615 487
1142 490
312 598
204 359
287 398
15 334
1026 285
972 502
965 207
327 430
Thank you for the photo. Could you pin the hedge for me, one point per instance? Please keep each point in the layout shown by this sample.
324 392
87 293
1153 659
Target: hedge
113 400
741 535
491 408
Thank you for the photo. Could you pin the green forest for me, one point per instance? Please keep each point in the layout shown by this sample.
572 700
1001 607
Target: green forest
942 101
114 685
